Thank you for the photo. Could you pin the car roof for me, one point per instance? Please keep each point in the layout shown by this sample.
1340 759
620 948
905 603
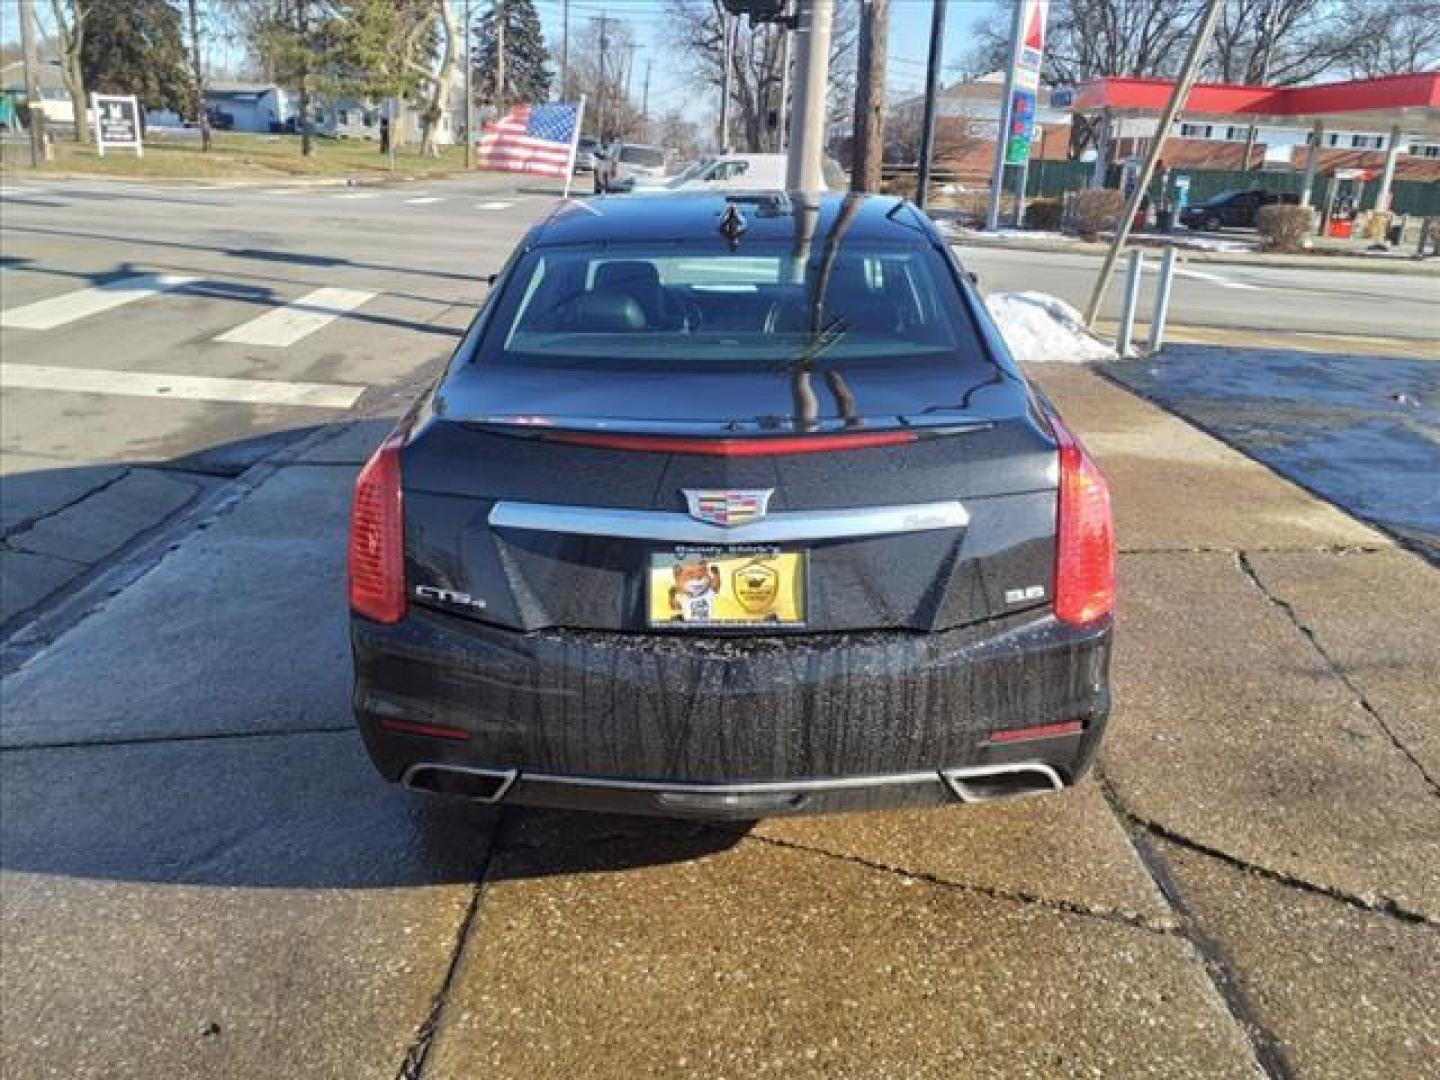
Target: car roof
771 216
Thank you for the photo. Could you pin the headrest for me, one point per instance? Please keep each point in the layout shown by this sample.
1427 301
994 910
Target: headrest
605 312
627 273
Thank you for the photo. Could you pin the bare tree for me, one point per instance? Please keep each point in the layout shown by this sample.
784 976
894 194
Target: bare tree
1393 37
598 55
755 65
70 31
438 83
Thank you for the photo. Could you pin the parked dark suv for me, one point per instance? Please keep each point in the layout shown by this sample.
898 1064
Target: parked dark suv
1232 209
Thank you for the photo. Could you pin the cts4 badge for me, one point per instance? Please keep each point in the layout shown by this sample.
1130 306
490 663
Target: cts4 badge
727 507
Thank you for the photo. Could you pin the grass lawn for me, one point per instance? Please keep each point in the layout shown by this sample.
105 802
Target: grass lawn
237 156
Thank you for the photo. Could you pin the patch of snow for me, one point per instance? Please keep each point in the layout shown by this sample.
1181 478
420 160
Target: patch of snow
1210 243
1040 328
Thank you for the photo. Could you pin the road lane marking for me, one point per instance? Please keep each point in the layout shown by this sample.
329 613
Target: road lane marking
179 387
66 308
297 319
357 195
1215 279
425 200
494 205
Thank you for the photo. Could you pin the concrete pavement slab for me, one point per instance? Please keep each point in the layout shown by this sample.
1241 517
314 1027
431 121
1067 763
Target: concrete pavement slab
32 487
1176 487
1066 850
758 959
1232 731
1344 993
244 628
104 522
27 579
246 908
350 444
1377 616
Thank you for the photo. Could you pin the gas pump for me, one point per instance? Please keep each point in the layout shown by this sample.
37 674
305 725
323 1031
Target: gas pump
1347 186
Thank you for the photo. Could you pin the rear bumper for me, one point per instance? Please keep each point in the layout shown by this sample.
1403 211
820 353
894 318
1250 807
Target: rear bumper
719 727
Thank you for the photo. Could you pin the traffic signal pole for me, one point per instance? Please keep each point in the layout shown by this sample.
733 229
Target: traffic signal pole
807 110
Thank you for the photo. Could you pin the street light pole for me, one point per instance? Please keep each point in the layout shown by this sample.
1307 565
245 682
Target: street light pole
727 26
1002 135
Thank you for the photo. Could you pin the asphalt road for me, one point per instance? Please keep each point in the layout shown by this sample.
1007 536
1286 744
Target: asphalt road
1234 297
202 876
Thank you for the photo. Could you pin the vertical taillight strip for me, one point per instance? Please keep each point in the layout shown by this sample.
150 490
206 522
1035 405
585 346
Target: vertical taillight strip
1085 537
377 537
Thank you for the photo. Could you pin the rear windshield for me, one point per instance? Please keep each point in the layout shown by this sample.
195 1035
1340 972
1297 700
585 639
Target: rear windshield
667 307
642 155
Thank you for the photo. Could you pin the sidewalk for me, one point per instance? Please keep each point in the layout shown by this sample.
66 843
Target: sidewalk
1249 881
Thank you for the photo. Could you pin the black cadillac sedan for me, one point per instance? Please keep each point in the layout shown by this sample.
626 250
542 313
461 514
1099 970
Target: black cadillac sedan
732 507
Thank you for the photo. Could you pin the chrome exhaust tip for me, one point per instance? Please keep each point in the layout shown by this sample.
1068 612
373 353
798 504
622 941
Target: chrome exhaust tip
476 785
985 783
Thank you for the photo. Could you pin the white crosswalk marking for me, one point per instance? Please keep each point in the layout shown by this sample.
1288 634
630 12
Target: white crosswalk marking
357 195
1215 279
59 310
179 387
494 205
424 200
297 319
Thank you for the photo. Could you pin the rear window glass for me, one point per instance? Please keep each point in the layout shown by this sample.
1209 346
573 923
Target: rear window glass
672 307
642 155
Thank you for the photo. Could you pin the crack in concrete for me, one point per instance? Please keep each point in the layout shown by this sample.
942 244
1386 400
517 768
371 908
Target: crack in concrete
1267 1049
25 525
1248 570
1113 916
417 1053
1280 549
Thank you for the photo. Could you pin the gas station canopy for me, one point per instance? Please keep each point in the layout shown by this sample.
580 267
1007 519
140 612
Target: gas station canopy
1409 102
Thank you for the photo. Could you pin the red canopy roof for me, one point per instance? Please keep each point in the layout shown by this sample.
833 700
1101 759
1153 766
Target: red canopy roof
1412 101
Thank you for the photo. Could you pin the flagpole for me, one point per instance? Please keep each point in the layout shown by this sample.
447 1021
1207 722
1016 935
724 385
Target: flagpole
574 145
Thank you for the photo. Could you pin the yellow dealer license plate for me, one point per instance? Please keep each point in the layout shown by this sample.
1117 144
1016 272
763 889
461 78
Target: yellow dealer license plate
757 586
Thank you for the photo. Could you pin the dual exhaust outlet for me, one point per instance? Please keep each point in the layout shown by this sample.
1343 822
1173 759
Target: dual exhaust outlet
973 784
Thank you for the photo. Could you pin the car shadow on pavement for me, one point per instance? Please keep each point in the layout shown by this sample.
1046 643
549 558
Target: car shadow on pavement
193 727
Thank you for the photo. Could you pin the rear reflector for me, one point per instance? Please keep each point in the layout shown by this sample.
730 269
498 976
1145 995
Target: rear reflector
1039 731
1085 537
761 446
430 731
377 538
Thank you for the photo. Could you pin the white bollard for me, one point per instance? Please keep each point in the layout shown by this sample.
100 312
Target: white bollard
1162 300
1129 303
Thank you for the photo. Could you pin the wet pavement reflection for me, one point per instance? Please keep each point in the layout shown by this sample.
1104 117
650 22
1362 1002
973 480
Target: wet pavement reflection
1360 431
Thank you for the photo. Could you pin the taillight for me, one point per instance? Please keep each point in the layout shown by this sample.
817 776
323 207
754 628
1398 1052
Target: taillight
1085 537
377 538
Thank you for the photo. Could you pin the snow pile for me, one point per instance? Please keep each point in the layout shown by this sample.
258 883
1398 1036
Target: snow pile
1041 328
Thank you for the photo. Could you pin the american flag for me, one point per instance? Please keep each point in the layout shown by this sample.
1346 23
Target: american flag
531 138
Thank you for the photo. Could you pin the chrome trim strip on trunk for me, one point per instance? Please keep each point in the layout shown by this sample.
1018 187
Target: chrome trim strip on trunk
777 528
766 787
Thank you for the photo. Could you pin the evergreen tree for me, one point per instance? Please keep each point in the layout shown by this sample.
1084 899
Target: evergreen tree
138 47
527 61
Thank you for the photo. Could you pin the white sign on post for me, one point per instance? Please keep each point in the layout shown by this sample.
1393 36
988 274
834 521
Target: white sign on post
117 122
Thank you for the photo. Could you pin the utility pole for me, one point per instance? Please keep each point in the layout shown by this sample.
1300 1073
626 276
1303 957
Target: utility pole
932 91
35 103
1183 83
204 117
782 131
499 58
645 107
604 21
565 52
469 92
1002 134
807 114
869 124
727 28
